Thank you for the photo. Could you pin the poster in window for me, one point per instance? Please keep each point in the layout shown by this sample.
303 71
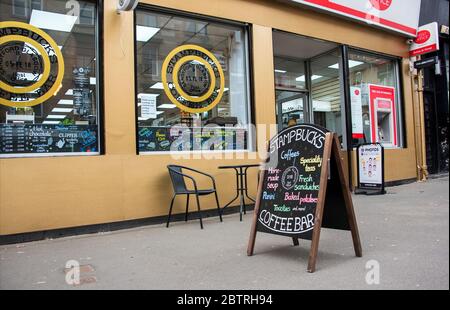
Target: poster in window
357 119
148 106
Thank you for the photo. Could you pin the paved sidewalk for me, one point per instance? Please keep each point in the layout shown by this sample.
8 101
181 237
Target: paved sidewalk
406 231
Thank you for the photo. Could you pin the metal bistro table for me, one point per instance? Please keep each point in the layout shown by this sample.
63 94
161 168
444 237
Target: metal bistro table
241 186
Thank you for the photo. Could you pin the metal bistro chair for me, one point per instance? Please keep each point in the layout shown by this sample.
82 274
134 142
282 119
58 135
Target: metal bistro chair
179 187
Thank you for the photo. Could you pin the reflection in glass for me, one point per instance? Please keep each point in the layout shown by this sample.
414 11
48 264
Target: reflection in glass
289 108
327 101
289 73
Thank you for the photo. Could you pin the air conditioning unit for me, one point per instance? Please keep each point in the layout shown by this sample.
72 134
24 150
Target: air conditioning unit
126 5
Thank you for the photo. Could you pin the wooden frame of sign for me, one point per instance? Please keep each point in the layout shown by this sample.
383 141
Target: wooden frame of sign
300 215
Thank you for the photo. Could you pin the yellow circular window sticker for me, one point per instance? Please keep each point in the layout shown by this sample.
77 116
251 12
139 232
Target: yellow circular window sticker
193 78
31 65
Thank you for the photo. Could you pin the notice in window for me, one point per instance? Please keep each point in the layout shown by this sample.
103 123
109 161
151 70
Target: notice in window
148 106
357 120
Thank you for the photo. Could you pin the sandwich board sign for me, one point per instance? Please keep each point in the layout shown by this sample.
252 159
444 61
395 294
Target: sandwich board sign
370 159
303 188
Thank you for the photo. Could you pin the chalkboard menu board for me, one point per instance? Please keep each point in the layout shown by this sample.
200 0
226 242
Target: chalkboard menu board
291 185
177 138
303 188
32 138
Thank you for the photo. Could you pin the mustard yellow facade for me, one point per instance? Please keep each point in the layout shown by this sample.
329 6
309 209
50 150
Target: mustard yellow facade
44 193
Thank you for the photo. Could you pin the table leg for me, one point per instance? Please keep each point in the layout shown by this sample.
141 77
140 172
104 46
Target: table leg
246 186
242 188
242 205
236 197
237 192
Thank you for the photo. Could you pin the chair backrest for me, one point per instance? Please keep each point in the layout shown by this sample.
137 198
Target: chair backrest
178 183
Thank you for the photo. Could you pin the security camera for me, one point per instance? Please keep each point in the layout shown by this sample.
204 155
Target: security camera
410 41
126 5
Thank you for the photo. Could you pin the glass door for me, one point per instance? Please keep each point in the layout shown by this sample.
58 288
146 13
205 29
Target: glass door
290 108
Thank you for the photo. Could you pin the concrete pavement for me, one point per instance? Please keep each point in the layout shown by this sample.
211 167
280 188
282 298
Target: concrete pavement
406 231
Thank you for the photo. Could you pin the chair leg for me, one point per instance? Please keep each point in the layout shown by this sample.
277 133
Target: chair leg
170 211
218 207
187 208
199 211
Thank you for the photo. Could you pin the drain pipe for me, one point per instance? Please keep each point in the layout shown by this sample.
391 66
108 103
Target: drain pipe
421 145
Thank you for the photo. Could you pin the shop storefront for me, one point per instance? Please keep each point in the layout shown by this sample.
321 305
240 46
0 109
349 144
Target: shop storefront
94 104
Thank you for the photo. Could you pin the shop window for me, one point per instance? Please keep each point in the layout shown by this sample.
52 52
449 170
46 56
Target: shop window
290 108
87 14
290 90
326 93
22 8
48 79
192 84
375 99
289 73
308 83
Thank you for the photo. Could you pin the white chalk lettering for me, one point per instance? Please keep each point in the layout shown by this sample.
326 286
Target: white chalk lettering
286 224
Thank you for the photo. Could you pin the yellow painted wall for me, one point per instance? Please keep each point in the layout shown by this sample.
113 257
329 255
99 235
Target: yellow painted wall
55 192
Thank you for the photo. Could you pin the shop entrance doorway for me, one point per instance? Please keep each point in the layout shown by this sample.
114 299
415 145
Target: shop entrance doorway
309 85
308 82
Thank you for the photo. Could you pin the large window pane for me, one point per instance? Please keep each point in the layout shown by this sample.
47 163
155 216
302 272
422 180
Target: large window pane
289 73
374 99
290 108
326 93
48 74
203 103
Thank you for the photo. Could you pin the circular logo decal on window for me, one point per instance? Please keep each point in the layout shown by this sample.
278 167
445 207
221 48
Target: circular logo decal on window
381 5
31 65
193 78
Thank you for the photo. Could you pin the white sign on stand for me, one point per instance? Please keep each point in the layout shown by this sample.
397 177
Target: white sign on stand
370 159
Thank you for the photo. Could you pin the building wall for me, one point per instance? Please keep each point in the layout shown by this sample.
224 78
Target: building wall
56 192
436 103
434 11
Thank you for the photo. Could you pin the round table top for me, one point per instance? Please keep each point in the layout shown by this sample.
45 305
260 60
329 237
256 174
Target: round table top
239 166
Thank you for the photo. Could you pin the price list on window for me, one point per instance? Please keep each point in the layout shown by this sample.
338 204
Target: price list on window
188 139
31 138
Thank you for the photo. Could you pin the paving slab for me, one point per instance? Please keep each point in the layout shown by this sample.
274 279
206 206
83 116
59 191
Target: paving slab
405 231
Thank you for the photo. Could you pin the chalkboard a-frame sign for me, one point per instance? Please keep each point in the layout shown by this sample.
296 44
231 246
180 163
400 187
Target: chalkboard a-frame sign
303 188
